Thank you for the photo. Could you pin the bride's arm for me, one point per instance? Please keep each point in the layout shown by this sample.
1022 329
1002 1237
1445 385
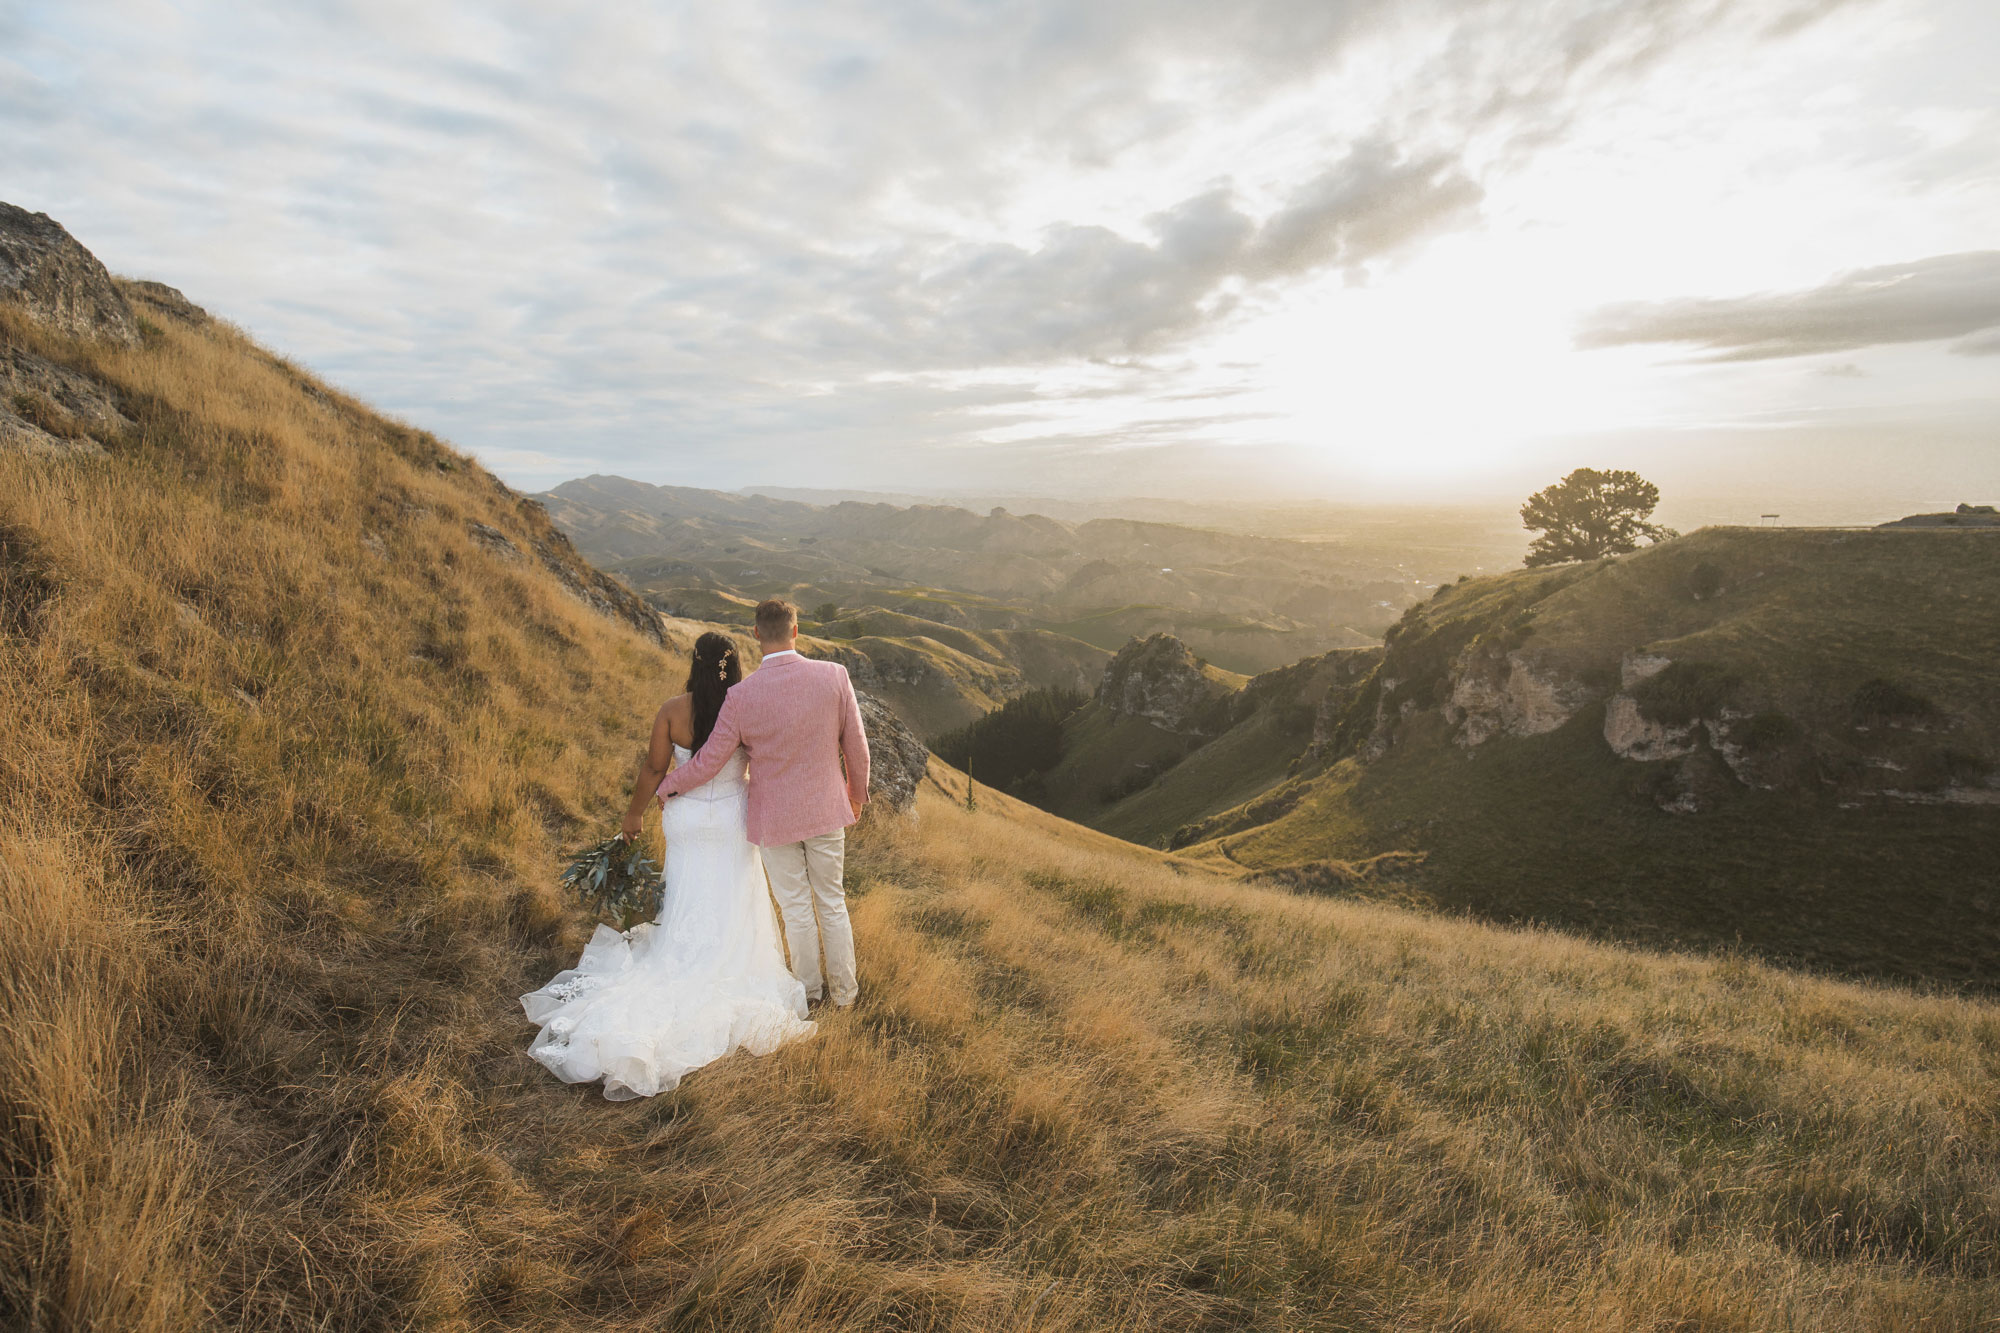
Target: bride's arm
653 765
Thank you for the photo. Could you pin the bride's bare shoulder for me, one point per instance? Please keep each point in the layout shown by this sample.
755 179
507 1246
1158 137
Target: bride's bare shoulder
677 716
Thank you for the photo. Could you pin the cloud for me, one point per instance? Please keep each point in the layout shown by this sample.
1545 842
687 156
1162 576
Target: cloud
1985 343
1927 300
688 239
1087 291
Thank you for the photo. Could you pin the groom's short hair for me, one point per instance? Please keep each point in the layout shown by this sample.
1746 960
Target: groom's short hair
776 619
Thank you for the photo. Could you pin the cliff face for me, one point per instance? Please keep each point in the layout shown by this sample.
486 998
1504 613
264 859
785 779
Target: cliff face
1718 656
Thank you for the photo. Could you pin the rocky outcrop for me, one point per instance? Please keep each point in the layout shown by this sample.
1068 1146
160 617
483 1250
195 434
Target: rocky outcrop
1494 693
896 758
1160 680
494 540
57 283
167 301
860 666
47 409
1631 735
1346 673
1628 731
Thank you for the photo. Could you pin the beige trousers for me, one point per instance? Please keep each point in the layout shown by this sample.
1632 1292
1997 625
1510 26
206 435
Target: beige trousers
805 879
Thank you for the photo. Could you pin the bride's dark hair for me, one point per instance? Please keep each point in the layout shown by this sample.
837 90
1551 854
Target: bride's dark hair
716 665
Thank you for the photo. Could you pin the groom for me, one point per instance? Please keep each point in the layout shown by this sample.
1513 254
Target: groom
800 723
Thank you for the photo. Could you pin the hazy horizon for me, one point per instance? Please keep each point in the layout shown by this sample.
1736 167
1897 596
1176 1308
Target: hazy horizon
1374 252
1684 511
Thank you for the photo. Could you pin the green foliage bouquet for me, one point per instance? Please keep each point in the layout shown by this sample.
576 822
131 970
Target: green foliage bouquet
615 878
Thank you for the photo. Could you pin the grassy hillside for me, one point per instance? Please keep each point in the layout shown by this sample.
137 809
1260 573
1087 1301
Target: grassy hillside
1237 766
292 742
1785 740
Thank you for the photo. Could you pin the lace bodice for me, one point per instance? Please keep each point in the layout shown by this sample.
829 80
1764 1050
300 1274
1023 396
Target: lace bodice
734 775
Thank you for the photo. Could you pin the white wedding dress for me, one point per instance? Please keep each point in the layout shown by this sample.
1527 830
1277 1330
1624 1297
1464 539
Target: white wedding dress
642 1008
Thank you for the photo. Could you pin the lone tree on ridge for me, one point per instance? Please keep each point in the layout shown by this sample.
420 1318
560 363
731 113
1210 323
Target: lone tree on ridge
1590 514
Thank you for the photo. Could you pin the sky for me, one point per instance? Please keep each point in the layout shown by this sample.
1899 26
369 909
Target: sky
1405 250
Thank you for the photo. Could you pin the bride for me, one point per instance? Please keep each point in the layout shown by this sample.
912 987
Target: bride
643 1008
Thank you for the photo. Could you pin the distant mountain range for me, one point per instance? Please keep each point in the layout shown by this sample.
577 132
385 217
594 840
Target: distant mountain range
1046 599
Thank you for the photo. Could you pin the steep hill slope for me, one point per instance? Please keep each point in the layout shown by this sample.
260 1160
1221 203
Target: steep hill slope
1789 739
290 746
1161 740
1252 740
296 705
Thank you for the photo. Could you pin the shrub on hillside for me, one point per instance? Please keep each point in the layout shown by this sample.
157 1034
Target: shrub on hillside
1964 766
1767 731
1683 693
1704 581
1130 784
1882 700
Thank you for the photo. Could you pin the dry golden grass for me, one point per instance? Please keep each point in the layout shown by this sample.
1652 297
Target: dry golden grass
288 756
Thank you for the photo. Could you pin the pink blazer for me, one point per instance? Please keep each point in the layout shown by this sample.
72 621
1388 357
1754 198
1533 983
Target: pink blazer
798 719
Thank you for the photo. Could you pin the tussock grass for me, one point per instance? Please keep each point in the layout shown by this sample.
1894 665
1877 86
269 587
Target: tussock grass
290 753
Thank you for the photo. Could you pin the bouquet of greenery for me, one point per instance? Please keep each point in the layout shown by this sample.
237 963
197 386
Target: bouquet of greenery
615 878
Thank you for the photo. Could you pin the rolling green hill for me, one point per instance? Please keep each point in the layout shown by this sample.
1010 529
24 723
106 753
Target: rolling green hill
1783 739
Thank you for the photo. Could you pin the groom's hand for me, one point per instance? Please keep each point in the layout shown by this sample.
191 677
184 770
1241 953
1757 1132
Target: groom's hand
855 806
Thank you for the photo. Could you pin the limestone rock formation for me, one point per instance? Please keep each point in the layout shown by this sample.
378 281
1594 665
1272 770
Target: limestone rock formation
58 283
596 589
1629 732
896 758
47 409
1505 692
1631 735
1158 679
167 301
